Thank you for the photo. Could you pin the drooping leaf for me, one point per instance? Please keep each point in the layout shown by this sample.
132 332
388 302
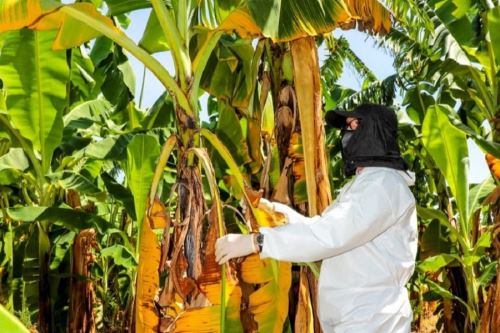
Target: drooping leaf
84 115
120 255
435 263
81 69
70 31
229 74
16 15
120 193
35 79
479 192
486 145
62 245
68 179
288 20
161 114
112 147
12 165
71 219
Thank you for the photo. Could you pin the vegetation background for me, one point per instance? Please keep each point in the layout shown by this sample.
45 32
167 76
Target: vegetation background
114 185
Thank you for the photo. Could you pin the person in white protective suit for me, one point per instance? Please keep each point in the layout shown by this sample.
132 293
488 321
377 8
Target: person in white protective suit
367 239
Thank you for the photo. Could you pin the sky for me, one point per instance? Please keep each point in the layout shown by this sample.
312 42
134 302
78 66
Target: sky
379 61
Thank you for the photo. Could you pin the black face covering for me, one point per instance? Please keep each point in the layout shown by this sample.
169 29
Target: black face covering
346 136
373 142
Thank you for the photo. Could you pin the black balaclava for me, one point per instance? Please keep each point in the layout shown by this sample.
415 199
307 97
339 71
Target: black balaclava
373 143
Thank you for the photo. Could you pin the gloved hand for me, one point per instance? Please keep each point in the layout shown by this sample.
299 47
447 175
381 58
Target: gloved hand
291 215
233 246
266 203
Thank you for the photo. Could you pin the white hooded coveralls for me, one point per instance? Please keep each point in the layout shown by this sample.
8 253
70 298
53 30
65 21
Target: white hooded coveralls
367 240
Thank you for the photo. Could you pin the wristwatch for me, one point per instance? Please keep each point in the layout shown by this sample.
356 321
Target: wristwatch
259 239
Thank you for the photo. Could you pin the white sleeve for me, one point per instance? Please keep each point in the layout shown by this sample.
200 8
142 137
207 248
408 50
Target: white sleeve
291 215
363 212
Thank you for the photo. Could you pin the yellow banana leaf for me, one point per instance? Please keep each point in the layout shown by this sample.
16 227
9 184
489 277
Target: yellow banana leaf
148 279
268 305
369 14
289 20
51 15
17 14
307 88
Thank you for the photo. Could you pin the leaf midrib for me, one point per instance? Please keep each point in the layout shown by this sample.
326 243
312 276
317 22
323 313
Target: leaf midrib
40 100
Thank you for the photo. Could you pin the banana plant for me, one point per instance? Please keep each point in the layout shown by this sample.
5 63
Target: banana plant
79 22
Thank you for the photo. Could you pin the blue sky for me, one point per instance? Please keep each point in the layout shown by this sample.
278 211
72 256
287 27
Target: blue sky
363 46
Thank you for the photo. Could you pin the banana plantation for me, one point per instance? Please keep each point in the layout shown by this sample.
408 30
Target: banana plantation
109 211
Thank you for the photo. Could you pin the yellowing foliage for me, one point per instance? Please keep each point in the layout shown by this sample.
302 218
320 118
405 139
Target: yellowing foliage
493 164
17 14
148 280
369 14
51 15
269 303
240 21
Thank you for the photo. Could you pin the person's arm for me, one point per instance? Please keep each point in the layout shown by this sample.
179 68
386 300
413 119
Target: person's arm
291 215
361 215
237 245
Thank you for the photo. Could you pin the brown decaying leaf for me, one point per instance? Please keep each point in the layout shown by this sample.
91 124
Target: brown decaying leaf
82 318
193 305
304 318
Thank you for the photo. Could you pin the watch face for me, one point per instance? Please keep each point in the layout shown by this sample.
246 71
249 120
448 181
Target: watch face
260 239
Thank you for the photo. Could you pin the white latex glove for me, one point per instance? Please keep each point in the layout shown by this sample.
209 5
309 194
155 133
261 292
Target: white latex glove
266 203
233 246
290 214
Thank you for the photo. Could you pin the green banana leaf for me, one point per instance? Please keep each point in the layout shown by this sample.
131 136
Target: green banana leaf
142 153
478 192
120 193
448 147
78 181
12 165
121 256
10 323
229 74
117 7
35 78
68 217
153 40
493 24
112 147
